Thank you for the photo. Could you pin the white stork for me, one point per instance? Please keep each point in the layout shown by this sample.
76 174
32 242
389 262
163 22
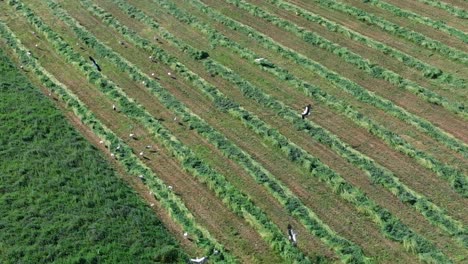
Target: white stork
199 260
259 60
114 107
306 111
292 235
171 75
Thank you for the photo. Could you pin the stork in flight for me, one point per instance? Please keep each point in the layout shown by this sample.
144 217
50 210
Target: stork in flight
292 235
199 260
95 63
306 111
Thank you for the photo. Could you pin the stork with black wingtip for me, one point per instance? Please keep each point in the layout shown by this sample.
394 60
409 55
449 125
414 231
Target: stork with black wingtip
199 260
292 235
95 63
306 111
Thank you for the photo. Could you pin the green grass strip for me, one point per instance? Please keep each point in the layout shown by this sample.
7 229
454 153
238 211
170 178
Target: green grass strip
125 157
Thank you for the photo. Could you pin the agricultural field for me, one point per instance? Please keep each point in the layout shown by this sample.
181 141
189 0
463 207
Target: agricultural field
201 106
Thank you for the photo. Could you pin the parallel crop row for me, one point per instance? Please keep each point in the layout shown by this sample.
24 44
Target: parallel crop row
456 11
440 25
456 178
292 204
392 227
377 173
428 70
359 92
238 202
374 70
175 207
397 30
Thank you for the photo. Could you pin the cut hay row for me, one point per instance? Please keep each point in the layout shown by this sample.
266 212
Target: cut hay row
296 154
456 11
129 161
359 92
439 25
456 179
292 204
427 70
353 58
238 202
392 28
377 173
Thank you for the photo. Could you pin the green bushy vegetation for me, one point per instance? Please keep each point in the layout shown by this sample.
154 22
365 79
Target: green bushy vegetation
60 199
